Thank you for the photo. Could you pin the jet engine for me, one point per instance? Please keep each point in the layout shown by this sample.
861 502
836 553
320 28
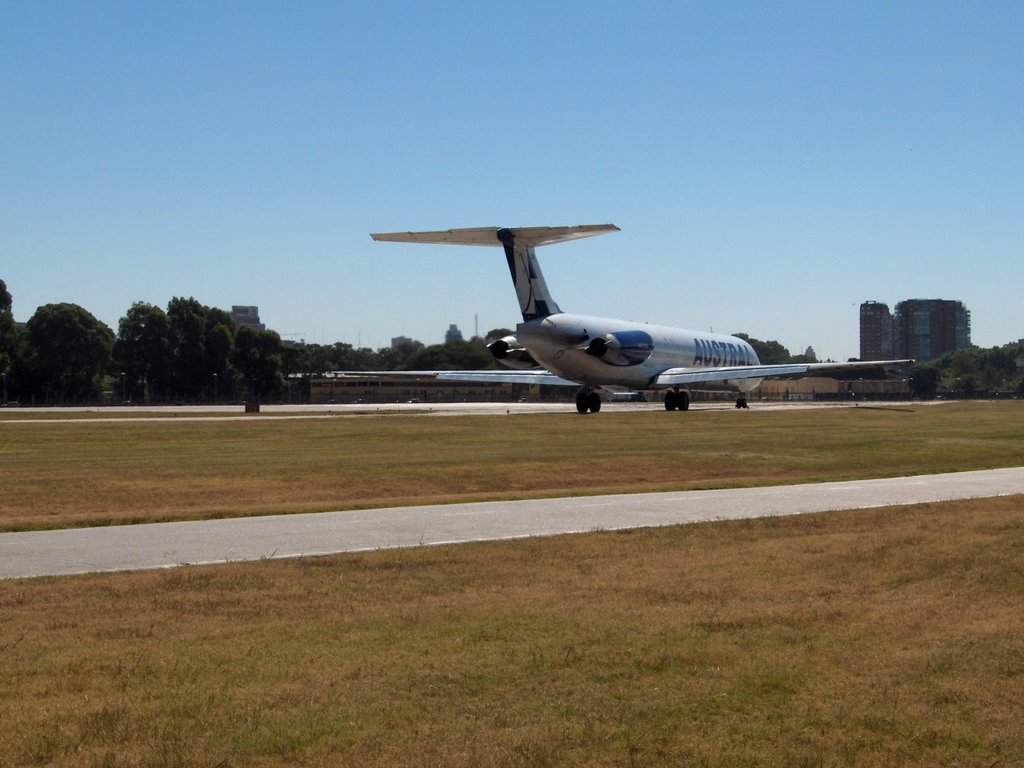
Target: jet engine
623 348
509 352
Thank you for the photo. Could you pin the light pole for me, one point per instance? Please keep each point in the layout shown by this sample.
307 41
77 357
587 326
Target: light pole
122 388
215 389
4 374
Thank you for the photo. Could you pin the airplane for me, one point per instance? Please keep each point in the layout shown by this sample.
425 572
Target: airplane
596 353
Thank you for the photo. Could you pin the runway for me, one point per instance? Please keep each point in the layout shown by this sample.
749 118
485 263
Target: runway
166 545
172 413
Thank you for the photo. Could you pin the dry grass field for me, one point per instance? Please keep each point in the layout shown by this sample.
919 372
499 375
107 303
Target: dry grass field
73 472
890 637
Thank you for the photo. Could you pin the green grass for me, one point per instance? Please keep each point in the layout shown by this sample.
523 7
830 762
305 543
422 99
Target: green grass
71 473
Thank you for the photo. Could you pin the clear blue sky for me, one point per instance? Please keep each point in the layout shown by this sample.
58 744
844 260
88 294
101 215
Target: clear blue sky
771 164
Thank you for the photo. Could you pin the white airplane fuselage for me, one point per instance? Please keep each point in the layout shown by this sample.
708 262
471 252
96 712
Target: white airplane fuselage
634 353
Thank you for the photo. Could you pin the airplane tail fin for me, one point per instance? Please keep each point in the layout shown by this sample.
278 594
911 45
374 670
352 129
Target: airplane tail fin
519 243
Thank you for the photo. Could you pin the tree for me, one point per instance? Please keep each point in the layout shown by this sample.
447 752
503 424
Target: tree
8 343
924 381
188 347
963 362
398 356
971 372
809 356
202 340
219 343
1001 359
143 352
8 330
768 352
315 358
257 357
451 356
69 351
966 385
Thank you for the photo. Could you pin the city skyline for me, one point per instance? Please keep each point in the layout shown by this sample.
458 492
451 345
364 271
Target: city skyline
771 167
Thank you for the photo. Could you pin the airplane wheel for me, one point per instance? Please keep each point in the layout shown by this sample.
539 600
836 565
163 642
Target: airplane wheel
670 400
683 401
594 401
582 406
741 402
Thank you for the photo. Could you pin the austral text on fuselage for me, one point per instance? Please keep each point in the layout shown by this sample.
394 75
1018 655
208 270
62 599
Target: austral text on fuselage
720 353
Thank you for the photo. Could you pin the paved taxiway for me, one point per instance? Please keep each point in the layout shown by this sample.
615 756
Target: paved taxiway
162 545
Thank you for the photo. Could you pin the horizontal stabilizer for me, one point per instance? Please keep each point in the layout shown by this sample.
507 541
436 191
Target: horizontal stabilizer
527 236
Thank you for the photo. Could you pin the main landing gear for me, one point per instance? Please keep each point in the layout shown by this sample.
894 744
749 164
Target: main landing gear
677 399
741 402
588 400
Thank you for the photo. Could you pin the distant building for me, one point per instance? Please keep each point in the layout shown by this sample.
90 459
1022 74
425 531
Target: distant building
399 341
248 316
922 329
875 331
452 334
927 328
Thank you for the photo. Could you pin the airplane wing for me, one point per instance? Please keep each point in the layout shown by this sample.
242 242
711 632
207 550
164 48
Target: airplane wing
527 376
675 377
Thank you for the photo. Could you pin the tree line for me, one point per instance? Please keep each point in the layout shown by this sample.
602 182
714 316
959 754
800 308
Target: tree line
186 353
192 353
967 373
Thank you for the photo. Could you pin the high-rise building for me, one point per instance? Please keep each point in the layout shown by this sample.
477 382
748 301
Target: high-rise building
922 329
452 334
927 328
875 331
